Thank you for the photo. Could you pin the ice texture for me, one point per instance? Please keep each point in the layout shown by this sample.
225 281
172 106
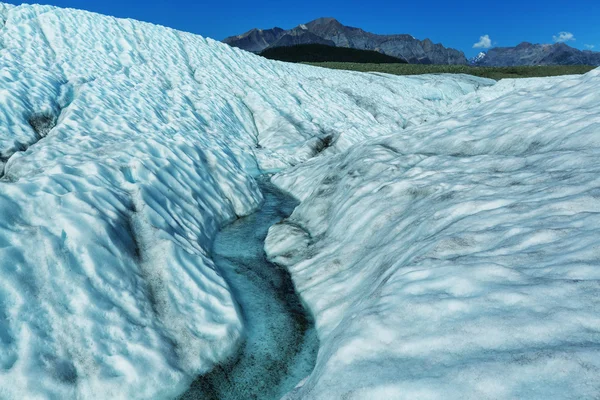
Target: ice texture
124 147
458 259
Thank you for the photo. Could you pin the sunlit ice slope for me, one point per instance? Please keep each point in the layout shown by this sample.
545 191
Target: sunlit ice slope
124 147
459 259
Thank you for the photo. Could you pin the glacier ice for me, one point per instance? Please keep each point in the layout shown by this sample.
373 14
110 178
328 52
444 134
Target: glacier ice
446 241
124 147
456 259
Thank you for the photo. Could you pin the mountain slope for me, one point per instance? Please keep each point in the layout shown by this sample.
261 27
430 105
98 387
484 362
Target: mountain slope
299 37
329 29
256 40
324 53
538 54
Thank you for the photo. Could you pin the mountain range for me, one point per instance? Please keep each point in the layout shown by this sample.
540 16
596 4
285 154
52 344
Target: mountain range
329 31
536 54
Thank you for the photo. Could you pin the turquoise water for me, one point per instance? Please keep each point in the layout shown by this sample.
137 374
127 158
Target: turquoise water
281 343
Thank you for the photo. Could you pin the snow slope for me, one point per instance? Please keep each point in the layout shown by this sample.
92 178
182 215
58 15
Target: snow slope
458 259
124 147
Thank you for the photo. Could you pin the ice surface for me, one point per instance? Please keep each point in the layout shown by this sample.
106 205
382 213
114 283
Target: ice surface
458 259
455 257
124 147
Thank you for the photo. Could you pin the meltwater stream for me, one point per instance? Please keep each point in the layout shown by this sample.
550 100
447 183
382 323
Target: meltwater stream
281 343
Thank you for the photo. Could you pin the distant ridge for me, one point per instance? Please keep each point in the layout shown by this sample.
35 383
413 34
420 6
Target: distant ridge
329 31
537 54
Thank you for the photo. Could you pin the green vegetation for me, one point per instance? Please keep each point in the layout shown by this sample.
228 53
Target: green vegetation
486 72
323 53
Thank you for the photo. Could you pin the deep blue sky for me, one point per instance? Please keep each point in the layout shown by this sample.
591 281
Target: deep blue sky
457 23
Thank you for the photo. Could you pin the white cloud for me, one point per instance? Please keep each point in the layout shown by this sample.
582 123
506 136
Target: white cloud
484 42
589 46
563 37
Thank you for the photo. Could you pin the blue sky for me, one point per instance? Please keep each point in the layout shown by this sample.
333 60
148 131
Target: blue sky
458 23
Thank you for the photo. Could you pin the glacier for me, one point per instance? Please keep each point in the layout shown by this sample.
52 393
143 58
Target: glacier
458 259
446 241
124 148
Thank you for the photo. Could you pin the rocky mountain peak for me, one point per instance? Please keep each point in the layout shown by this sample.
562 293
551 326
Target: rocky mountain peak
526 53
330 31
324 21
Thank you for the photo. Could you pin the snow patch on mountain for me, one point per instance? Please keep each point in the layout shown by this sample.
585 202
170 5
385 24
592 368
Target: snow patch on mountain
477 59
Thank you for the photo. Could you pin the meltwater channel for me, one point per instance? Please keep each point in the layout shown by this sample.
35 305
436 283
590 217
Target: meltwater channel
281 344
